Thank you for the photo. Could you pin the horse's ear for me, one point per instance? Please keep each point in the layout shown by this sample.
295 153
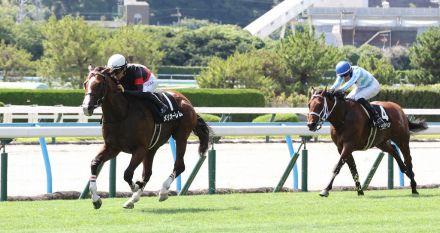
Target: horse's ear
311 92
90 67
325 89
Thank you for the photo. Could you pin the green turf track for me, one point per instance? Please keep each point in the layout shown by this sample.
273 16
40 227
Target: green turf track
377 211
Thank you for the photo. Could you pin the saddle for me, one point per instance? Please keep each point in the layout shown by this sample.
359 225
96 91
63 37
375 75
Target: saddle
173 113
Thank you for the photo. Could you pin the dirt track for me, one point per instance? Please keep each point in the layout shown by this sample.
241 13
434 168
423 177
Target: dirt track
239 165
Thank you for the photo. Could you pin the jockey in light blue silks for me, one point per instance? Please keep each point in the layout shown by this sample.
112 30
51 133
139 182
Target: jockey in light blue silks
366 87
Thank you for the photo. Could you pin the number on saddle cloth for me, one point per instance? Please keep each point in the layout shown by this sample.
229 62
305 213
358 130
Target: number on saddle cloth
173 112
379 109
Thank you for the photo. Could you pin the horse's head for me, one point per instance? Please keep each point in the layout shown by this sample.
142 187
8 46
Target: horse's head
321 105
97 85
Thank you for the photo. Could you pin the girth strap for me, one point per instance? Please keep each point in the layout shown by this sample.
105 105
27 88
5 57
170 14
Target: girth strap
156 135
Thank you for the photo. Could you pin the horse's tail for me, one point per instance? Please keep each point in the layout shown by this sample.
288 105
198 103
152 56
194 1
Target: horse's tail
417 126
203 132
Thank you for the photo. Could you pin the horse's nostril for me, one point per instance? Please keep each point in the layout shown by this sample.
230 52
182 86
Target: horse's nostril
312 126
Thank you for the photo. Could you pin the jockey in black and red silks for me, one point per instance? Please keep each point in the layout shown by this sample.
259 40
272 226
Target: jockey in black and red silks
135 79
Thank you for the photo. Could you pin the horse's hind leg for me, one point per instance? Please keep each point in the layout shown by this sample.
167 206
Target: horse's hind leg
404 148
179 167
105 154
387 147
136 158
354 173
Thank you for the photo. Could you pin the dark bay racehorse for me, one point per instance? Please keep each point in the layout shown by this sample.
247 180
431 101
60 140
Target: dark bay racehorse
128 126
351 131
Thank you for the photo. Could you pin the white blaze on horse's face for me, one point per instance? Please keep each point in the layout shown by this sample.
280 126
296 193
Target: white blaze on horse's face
90 101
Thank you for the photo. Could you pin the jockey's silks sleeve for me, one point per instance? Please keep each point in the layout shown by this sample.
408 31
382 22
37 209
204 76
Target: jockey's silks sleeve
360 77
337 83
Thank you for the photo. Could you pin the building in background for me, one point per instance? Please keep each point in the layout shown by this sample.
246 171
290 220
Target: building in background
380 23
136 12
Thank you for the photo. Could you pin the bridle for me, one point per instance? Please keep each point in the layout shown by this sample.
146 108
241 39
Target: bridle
325 112
105 76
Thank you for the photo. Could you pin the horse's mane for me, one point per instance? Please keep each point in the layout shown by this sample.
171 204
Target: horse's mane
330 94
102 70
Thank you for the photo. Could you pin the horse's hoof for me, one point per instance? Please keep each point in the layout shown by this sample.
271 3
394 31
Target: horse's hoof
128 205
415 193
97 204
324 193
360 193
163 196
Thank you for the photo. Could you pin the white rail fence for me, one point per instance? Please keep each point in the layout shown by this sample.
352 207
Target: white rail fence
62 114
35 114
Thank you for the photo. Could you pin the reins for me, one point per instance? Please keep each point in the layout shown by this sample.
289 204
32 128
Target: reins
325 112
101 100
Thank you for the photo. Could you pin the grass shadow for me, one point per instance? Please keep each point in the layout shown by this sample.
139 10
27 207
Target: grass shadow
186 210
403 195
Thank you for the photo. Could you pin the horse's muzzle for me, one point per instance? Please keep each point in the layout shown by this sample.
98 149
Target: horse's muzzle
88 110
312 126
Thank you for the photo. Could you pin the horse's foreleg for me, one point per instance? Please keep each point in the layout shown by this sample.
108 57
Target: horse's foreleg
336 170
104 155
354 173
92 183
136 188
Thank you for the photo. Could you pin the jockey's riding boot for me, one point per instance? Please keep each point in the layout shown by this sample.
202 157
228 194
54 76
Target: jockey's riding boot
377 120
162 107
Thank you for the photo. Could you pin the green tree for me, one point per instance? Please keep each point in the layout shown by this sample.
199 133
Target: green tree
6 27
70 45
351 54
196 47
424 54
237 71
14 61
308 58
28 35
136 44
398 56
381 69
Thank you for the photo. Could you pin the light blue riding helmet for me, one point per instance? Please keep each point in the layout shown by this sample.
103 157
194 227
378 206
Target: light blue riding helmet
342 68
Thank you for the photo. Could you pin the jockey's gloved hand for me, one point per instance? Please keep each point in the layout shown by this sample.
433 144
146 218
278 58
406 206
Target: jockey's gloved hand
121 88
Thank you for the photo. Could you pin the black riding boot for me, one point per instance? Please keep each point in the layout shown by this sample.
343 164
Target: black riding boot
377 119
162 107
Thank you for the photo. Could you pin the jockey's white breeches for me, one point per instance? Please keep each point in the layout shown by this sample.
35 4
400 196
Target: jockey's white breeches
151 84
367 92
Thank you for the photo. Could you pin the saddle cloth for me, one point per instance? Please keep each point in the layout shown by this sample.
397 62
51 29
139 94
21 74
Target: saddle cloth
383 114
173 113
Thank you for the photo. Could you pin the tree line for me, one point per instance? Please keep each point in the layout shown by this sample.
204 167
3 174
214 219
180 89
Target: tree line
61 49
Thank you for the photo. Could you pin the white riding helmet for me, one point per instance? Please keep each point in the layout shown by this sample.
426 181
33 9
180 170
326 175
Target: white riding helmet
116 62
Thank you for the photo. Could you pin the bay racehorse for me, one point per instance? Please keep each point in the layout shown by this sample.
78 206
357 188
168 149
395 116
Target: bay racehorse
351 130
128 126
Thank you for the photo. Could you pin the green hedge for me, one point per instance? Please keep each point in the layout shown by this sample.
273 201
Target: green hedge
198 97
210 117
284 117
411 97
42 97
207 97
179 69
